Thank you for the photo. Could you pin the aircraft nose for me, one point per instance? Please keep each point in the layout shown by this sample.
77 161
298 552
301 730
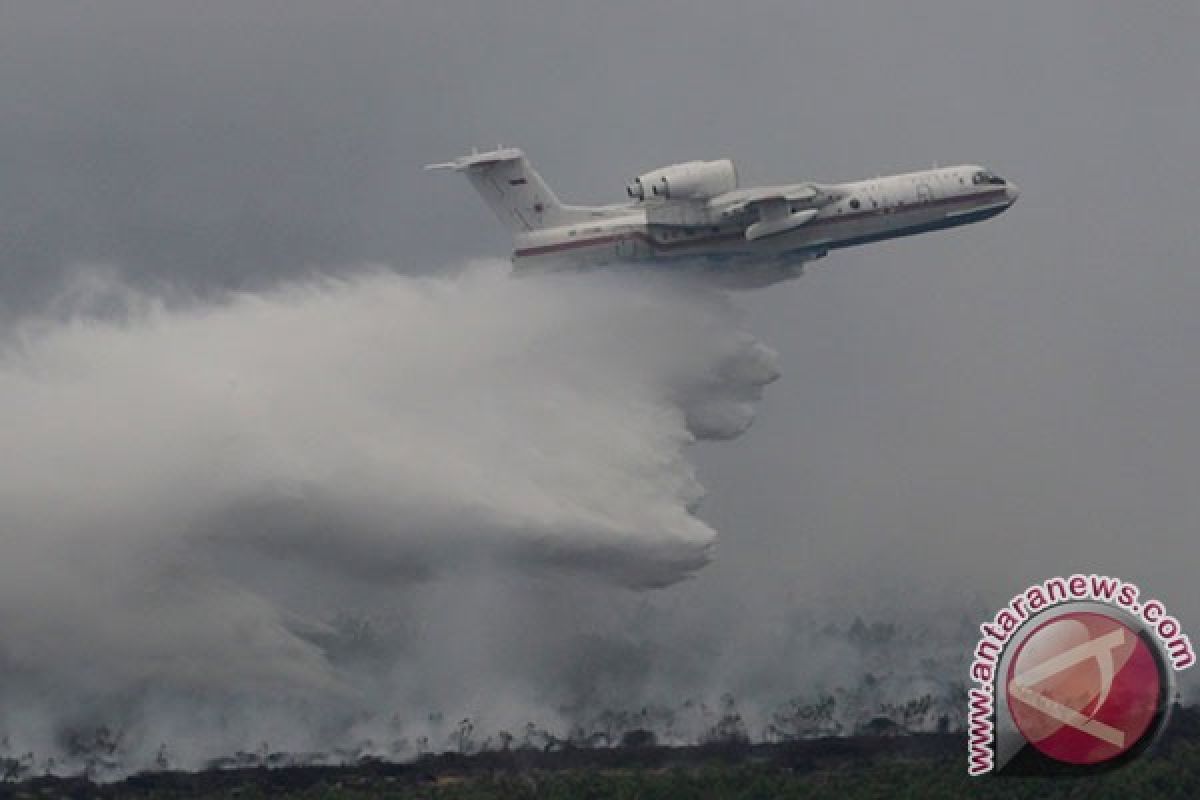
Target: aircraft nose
1012 192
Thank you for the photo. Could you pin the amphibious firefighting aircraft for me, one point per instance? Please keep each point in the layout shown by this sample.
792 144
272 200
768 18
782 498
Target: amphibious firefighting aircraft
695 213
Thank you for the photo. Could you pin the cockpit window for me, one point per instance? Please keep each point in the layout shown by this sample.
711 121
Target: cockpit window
984 177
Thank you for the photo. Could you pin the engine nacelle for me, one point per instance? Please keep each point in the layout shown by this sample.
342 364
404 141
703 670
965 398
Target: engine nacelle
690 180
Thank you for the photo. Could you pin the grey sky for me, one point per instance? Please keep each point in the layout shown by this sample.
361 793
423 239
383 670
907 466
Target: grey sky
960 414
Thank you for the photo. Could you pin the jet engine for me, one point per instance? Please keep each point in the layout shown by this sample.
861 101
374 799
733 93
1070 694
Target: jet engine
690 180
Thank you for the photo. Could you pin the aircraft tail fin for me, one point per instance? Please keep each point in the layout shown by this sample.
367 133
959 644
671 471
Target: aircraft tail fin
513 190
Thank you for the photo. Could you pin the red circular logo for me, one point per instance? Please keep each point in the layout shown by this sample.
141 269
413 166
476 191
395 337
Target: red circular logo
1084 688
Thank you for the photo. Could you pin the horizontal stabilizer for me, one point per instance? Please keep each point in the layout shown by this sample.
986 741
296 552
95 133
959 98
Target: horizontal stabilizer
480 159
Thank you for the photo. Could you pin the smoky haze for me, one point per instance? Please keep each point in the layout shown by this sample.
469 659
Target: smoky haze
959 414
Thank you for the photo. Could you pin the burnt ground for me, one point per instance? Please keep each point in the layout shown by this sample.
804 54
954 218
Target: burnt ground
918 765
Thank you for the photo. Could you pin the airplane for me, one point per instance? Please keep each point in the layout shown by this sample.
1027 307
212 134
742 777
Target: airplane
694 213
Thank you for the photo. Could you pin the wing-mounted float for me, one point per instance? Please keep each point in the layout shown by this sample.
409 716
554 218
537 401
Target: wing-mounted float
699 194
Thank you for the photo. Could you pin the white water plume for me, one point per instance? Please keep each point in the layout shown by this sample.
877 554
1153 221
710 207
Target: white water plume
189 496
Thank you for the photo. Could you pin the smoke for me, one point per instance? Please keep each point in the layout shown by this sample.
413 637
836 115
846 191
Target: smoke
298 515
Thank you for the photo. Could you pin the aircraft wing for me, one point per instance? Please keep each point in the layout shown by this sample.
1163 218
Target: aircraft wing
777 208
741 201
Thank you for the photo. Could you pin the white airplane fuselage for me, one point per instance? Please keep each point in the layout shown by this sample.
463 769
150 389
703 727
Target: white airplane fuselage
759 235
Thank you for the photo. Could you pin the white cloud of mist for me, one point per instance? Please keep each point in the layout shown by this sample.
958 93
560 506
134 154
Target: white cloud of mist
192 496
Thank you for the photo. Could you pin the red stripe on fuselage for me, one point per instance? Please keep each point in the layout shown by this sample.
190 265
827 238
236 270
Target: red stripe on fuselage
705 240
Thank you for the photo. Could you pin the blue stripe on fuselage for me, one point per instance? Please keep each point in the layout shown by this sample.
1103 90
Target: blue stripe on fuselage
895 233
